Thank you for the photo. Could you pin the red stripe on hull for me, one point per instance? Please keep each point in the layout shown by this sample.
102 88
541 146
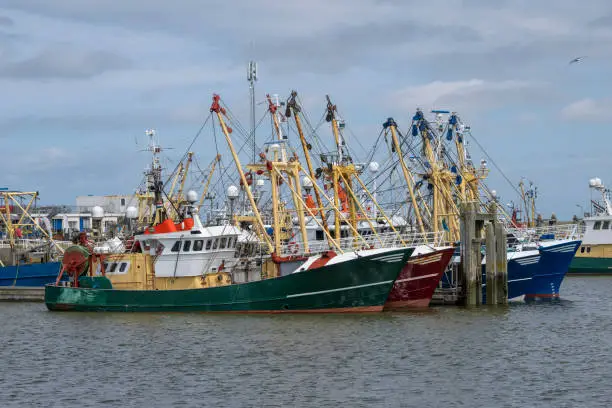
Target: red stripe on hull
416 283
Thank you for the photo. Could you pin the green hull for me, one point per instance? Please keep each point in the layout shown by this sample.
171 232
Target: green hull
362 284
590 266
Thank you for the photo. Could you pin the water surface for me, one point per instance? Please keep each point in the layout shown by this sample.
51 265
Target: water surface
537 355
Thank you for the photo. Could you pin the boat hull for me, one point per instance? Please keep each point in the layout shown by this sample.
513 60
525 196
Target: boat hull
590 266
358 285
538 274
416 283
555 260
39 274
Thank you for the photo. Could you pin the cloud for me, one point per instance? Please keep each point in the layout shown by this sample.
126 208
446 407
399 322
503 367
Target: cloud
97 73
467 95
64 62
588 109
6 21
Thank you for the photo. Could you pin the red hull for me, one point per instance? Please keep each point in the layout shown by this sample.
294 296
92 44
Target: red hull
418 280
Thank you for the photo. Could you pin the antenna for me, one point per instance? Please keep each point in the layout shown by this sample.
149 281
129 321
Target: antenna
252 78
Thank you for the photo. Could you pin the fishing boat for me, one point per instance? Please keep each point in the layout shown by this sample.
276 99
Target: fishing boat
595 254
169 277
354 223
536 270
28 254
419 278
537 267
180 265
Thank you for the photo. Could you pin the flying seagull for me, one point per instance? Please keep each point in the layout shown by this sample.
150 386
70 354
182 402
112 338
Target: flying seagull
577 59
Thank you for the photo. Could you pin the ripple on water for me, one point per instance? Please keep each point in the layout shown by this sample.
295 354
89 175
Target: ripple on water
541 354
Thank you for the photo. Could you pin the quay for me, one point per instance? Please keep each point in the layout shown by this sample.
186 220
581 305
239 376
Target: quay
22 294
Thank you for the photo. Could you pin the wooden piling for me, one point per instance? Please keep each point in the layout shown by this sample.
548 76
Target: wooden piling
501 270
474 225
471 275
491 264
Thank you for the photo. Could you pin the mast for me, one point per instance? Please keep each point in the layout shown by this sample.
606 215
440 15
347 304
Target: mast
208 179
179 195
154 181
216 108
392 126
338 166
440 178
525 205
252 78
291 170
292 106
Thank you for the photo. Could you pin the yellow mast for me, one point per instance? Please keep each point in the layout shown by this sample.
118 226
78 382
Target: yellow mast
179 195
215 107
312 214
292 106
12 197
407 175
441 178
294 180
331 117
208 179
291 168
177 175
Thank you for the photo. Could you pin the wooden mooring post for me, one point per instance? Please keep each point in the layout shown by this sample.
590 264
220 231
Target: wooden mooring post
475 224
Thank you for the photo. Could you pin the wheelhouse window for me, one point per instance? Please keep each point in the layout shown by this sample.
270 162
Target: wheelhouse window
208 244
123 267
215 244
588 250
582 250
597 225
186 246
605 225
319 235
113 267
198 244
176 246
223 243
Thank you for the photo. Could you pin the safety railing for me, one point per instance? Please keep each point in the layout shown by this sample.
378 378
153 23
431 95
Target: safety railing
559 231
369 241
32 243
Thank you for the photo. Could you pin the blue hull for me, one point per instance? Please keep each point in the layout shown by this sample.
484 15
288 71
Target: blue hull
554 263
29 275
538 276
520 275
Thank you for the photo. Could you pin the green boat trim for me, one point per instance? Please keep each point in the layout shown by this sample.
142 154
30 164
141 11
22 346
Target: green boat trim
582 265
356 285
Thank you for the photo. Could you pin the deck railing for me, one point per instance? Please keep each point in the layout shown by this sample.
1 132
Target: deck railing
560 231
371 241
32 243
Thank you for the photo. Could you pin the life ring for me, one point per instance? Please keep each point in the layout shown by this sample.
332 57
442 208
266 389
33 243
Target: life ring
294 248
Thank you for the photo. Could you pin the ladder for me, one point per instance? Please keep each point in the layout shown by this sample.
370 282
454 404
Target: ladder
150 275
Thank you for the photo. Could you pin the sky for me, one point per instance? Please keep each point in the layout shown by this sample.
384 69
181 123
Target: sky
81 80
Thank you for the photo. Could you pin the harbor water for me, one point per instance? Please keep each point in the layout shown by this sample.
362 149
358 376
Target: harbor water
535 355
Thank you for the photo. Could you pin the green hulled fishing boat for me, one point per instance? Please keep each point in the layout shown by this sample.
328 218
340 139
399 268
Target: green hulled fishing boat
177 264
355 282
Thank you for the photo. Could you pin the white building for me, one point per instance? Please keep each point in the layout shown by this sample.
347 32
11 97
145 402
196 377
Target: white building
109 203
97 215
